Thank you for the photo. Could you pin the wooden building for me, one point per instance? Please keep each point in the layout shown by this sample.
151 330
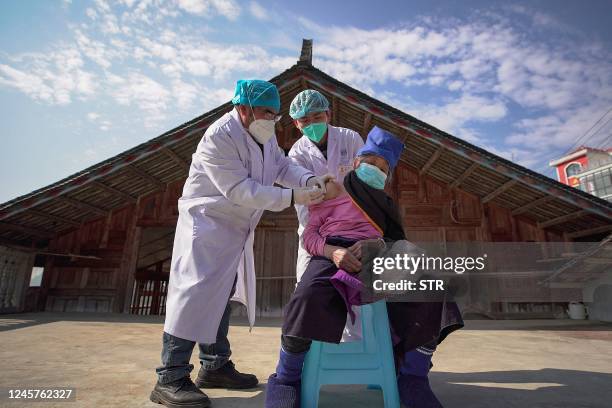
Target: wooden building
104 235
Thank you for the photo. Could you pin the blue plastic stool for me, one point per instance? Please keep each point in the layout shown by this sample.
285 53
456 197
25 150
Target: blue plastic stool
369 361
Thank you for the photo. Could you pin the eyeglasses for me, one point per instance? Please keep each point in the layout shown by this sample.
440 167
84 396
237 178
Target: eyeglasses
269 115
275 118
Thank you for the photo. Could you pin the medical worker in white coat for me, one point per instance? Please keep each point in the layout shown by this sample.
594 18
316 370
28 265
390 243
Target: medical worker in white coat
230 183
323 149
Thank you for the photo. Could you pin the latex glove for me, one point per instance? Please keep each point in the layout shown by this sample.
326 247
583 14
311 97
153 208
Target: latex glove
307 196
319 181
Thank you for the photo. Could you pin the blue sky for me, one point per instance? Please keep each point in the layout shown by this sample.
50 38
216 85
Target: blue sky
82 81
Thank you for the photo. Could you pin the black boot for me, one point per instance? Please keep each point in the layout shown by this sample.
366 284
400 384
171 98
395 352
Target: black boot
181 393
225 376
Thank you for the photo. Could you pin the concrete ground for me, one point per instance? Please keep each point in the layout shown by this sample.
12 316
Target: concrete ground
110 360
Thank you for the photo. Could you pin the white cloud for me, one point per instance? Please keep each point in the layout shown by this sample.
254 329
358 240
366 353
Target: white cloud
91 13
128 3
95 50
185 93
180 54
555 130
453 115
463 76
105 125
258 11
493 66
145 93
198 67
114 79
93 116
53 78
226 8
31 85
163 51
474 57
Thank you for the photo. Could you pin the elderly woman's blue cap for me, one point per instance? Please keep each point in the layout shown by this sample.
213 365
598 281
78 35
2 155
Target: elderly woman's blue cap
384 144
255 92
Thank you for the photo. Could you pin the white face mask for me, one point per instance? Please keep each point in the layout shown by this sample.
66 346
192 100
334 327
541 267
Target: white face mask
262 130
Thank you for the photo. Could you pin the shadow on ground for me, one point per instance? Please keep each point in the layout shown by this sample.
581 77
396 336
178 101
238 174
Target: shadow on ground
545 388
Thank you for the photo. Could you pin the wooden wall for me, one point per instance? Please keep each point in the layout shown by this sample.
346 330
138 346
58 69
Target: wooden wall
434 212
15 272
105 284
431 212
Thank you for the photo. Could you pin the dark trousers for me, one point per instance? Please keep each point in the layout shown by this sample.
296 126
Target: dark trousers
176 352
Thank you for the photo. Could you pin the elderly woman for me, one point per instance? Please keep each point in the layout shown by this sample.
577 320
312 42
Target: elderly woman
317 311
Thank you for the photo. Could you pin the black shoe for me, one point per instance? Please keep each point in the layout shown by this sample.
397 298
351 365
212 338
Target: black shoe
181 393
225 377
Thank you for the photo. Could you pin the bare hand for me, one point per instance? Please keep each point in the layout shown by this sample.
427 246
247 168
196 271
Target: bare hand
355 249
344 259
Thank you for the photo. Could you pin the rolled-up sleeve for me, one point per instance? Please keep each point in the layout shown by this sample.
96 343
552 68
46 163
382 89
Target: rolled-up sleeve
314 243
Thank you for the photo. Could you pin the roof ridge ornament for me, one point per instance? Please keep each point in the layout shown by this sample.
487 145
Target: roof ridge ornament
306 54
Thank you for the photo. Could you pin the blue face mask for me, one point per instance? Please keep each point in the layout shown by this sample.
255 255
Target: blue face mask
371 175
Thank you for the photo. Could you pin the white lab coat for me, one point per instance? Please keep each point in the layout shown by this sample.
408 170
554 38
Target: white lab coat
342 147
229 186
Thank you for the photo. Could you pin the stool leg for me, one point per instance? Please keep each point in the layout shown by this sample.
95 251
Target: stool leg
389 378
310 377
391 399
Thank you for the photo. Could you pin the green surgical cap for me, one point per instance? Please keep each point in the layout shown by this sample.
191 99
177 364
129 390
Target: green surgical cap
307 102
255 92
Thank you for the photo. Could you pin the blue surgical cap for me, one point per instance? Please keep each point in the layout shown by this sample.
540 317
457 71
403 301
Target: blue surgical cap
255 92
307 102
384 144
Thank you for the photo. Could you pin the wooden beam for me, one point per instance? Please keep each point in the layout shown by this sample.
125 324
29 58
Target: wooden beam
598 261
177 159
335 108
129 260
431 160
83 206
21 245
405 134
288 136
113 190
53 217
163 238
81 292
144 175
566 285
506 186
463 176
562 219
532 204
279 128
590 231
37 232
366 124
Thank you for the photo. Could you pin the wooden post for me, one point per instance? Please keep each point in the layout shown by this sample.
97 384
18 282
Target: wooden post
45 284
129 260
105 233
335 120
